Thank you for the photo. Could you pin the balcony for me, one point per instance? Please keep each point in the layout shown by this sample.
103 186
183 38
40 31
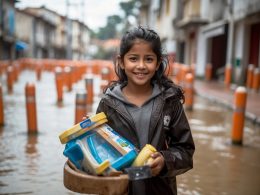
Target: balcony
191 15
191 22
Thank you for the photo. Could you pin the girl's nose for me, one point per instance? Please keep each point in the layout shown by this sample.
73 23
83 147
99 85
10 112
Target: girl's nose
141 64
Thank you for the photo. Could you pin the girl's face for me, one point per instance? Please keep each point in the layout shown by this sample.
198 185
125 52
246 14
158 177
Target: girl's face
140 63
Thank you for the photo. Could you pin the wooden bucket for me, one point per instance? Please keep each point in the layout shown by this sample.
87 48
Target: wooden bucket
78 181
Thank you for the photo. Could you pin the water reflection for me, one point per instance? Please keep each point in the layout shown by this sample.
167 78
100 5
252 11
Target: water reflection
219 166
30 147
32 156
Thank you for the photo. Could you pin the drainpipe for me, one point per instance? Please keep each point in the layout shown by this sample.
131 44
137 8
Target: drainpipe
230 34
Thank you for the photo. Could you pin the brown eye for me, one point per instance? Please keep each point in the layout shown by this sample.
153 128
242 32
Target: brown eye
149 60
133 59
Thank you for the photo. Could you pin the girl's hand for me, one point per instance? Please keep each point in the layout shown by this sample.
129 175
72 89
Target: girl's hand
85 117
157 163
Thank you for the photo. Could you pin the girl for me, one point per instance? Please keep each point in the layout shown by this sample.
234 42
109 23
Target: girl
144 106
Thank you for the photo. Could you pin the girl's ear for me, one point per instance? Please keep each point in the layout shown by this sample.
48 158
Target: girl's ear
120 62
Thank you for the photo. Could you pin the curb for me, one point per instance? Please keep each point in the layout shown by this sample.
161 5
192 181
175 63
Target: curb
248 115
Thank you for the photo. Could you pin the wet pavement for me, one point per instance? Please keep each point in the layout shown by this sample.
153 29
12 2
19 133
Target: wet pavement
219 166
218 92
34 164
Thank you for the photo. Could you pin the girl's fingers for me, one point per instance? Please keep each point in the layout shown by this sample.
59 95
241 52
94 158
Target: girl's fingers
157 163
85 117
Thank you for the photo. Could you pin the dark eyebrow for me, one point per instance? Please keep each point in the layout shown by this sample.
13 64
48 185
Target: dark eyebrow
132 54
150 55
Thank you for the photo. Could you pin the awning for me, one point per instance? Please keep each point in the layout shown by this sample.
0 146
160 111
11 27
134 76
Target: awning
20 45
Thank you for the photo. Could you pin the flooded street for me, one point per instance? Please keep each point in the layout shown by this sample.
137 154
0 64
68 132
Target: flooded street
219 166
34 164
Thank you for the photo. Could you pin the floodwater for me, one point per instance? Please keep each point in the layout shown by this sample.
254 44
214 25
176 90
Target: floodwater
34 164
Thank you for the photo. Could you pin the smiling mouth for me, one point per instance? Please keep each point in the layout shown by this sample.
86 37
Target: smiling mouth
140 74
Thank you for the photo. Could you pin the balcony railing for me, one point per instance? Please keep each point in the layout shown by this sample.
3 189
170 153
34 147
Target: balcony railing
191 14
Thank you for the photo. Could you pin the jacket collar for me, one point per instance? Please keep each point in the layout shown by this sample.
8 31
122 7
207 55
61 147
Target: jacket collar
157 109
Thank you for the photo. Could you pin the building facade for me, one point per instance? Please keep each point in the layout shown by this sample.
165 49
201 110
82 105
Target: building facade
7 29
159 15
220 32
23 32
40 33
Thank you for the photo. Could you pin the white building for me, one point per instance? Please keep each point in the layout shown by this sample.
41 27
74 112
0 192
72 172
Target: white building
220 32
159 15
228 34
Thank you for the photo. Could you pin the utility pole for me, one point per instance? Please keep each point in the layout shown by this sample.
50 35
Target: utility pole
69 33
80 50
82 45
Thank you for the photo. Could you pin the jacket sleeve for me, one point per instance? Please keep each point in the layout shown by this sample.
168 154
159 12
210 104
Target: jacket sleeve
179 155
100 107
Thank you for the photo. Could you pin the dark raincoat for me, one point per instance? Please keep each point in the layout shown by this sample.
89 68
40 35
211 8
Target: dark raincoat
169 133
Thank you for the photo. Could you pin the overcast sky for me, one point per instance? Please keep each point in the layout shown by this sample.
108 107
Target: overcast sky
95 11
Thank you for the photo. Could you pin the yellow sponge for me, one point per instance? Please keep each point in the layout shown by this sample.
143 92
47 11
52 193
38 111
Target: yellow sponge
144 155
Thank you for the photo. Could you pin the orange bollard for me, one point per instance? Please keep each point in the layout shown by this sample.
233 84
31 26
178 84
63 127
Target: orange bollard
31 107
68 77
177 73
250 73
239 115
192 69
10 79
59 84
96 69
185 69
38 72
89 90
228 72
73 74
15 72
18 71
80 108
105 74
256 80
208 72
189 91
1 107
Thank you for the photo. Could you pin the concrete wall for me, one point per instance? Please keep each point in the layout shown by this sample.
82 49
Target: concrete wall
24 30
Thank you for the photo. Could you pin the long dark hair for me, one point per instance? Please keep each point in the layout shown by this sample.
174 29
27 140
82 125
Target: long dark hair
149 35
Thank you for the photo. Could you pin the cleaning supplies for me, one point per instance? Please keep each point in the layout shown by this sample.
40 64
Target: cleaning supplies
83 127
94 147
